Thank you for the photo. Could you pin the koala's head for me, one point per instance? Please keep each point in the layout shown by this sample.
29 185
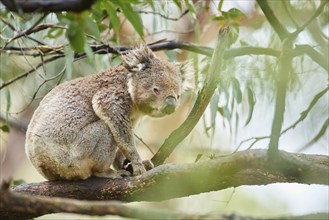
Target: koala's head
155 85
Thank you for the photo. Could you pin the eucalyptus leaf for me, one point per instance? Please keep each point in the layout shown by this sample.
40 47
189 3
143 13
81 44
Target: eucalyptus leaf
5 128
92 28
132 16
114 19
190 6
75 34
237 90
251 103
213 108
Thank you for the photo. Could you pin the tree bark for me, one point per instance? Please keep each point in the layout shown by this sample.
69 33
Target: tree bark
167 181
23 6
177 180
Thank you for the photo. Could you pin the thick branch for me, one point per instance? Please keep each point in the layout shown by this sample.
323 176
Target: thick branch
172 181
283 77
47 6
201 102
19 206
163 182
168 45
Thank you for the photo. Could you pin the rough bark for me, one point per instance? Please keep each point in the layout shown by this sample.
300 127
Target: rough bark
167 181
47 6
177 180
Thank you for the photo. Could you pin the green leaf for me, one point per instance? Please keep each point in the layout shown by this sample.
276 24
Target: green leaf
213 108
5 128
114 19
178 3
198 157
251 103
220 5
89 52
92 28
69 58
132 16
54 33
190 6
218 18
318 135
8 99
235 13
236 90
17 182
304 114
75 34
225 112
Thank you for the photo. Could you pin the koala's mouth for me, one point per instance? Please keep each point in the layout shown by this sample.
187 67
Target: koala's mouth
166 109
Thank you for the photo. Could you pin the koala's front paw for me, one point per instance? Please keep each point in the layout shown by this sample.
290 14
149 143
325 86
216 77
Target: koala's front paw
138 168
148 164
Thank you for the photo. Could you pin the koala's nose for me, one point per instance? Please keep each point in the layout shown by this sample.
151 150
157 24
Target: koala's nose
170 106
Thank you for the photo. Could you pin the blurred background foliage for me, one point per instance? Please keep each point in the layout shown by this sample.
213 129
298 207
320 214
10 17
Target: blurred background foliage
39 51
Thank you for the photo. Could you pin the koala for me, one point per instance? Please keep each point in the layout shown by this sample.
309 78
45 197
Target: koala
84 127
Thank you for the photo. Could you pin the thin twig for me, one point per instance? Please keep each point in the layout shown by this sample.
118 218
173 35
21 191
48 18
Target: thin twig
164 16
256 139
29 30
315 15
3 85
286 7
304 114
8 24
146 145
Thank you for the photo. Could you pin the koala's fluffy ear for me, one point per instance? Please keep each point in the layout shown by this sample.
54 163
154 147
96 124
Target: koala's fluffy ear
187 74
137 59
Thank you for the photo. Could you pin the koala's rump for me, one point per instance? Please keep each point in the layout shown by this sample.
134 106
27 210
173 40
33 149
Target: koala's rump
60 117
52 133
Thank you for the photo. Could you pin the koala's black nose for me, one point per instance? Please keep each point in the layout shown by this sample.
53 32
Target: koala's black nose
170 106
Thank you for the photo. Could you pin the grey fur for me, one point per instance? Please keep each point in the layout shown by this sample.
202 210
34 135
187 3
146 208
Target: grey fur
82 124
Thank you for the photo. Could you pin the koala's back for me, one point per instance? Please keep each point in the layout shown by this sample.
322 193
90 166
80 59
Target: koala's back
67 108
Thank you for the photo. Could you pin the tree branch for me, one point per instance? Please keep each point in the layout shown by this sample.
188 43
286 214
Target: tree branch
164 16
177 180
47 6
282 80
19 206
172 181
273 20
315 15
168 45
316 56
210 84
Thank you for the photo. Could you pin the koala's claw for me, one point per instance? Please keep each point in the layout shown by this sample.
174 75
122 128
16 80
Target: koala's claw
138 169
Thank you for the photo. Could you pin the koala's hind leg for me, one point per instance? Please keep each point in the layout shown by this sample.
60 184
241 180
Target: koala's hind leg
94 150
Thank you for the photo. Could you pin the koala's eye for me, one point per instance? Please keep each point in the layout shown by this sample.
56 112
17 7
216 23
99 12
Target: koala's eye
178 96
156 91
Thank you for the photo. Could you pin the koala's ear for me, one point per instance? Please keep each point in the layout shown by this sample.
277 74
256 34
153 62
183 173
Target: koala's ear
138 58
187 74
